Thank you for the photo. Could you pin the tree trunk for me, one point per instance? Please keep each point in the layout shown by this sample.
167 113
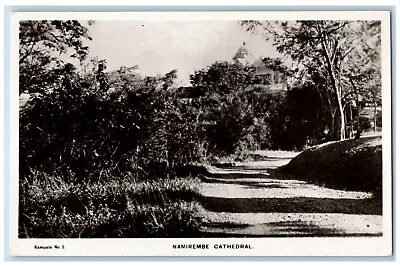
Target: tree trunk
340 105
342 121
374 114
346 134
335 88
358 109
332 130
351 122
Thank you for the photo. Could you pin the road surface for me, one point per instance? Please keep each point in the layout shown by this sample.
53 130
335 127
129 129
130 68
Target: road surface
251 199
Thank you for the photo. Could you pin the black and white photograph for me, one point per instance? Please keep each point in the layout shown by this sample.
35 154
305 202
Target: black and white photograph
202 134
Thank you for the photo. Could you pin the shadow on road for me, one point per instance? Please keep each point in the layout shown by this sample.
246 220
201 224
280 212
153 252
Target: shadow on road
292 205
275 229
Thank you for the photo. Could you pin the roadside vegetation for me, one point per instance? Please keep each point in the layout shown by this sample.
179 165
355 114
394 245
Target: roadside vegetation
117 207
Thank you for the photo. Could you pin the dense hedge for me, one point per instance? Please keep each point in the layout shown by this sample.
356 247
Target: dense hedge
89 127
83 133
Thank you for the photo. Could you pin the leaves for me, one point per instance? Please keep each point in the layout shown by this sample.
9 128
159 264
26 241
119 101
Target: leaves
330 53
41 42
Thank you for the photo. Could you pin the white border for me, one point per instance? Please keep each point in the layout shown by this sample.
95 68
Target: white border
357 246
207 16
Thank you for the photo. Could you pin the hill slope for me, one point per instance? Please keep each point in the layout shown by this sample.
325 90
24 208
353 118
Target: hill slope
350 165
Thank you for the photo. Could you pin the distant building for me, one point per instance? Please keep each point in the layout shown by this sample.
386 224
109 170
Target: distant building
243 56
265 76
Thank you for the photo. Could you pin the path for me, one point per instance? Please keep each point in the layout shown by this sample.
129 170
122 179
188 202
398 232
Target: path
248 199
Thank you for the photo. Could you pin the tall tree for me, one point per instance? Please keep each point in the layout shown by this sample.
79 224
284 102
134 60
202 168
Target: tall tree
320 46
41 44
360 67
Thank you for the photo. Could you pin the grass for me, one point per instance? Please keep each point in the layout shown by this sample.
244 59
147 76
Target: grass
117 207
354 164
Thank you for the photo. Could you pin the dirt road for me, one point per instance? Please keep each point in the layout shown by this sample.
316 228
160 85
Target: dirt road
251 199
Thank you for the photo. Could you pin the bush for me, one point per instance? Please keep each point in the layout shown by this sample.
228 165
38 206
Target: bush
365 123
78 134
85 133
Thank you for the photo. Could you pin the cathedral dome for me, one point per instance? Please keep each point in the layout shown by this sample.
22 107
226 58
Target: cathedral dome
242 52
242 55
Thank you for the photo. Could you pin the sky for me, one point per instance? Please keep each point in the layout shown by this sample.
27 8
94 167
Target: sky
158 47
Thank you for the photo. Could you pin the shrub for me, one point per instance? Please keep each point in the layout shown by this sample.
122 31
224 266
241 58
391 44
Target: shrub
84 133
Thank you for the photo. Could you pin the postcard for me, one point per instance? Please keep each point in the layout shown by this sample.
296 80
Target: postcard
200 133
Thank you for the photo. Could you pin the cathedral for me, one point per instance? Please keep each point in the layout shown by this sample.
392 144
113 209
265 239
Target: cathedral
265 76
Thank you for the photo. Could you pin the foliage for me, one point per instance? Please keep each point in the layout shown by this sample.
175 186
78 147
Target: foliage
41 43
88 133
77 135
88 124
146 127
52 208
236 115
100 150
330 54
222 78
302 120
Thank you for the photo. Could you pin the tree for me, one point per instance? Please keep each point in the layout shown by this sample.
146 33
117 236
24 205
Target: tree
321 47
361 71
220 111
236 112
223 78
41 43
